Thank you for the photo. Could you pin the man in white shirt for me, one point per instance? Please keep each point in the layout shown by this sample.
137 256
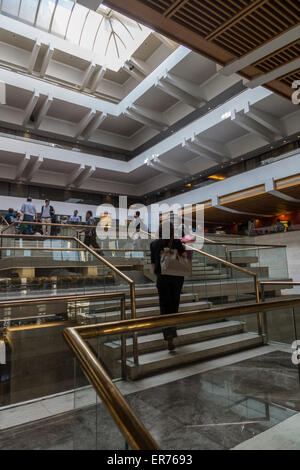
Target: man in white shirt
74 219
47 213
29 214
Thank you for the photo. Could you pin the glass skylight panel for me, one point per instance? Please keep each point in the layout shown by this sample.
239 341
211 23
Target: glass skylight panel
112 37
90 29
45 13
28 10
11 7
76 23
61 17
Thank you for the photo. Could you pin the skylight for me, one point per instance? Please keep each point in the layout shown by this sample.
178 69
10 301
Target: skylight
111 36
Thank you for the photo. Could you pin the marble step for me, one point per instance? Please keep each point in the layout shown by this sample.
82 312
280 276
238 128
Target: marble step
154 362
155 341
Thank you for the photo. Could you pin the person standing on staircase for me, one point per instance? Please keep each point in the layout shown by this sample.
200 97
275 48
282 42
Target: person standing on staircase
169 286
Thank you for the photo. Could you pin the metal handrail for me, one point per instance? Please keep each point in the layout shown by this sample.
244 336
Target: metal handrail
59 298
238 268
104 261
134 432
262 285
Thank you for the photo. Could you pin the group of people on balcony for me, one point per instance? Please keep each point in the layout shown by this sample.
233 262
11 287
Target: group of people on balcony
48 223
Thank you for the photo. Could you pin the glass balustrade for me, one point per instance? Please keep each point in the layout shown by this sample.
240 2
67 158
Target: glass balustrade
196 407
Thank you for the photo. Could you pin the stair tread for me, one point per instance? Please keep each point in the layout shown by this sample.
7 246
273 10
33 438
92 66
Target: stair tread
180 332
182 306
155 357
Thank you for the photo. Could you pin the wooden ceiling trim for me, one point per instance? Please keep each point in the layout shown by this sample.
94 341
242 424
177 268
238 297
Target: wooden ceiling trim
196 27
288 182
291 77
242 13
241 32
186 14
249 23
201 16
280 57
249 192
205 9
175 7
243 28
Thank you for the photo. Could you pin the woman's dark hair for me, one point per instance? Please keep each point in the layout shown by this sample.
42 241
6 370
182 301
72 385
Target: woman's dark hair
90 212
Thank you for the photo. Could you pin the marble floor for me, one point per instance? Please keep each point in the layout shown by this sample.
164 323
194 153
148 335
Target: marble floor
226 404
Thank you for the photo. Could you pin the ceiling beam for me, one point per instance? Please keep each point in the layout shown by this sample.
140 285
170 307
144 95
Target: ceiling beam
267 120
187 86
37 161
74 175
140 65
33 56
84 176
82 125
180 95
145 120
254 127
201 152
46 61
259 53
30 107
212 146
154 116
87 75
21 168
163 169
166 41
43 111
270 187
136 74
94 124
97 78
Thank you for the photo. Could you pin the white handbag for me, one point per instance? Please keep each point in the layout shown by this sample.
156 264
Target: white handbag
172 264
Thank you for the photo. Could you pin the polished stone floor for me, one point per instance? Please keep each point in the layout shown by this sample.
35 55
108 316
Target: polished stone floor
216 409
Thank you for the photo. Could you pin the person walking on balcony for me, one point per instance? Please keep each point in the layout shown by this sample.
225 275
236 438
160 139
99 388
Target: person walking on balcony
29 213
90 231
169 286
47 216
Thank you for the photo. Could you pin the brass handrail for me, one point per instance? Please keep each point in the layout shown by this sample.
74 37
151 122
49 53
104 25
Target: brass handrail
131 287
100 258
59 298
131 428
134 432
238 268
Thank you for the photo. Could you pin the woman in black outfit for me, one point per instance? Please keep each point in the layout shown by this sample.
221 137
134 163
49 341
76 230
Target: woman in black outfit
169 287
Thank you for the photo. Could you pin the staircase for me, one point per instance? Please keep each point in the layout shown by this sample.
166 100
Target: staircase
210 284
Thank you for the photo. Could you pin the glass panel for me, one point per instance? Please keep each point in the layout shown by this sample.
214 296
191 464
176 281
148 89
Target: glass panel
76 23
94 427
11 7
45 14
28 10
61 17
90 30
